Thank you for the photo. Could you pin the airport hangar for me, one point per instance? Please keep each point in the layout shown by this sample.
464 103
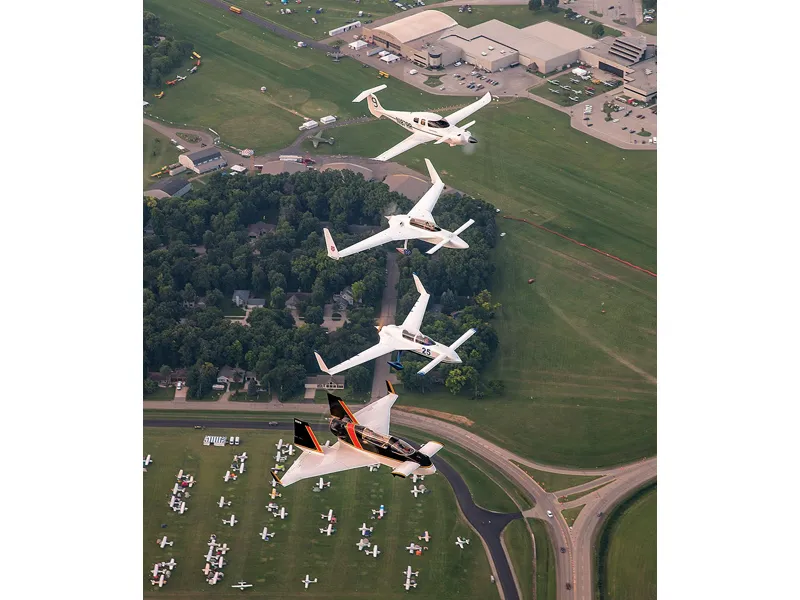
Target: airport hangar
433 39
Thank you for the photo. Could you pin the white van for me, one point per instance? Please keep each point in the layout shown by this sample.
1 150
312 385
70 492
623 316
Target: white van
413 72
180 385
236 440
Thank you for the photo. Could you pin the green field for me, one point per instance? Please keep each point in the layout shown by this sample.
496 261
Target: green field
545 561
158 152
276 567
651 28
570 514
520 16
519 548
162 393
239 58
576 495
628 550
336 13
485 493
552 482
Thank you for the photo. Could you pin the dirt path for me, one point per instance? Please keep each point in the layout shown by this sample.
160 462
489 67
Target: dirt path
459 419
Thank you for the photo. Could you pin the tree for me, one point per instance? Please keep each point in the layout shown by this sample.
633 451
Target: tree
534 4
359 287
165 372
496 387
551 4
252 388
598 30
313 315
359 379
200 378
277 299
150 386
459 377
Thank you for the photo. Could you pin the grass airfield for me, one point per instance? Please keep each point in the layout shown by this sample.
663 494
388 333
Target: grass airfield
275 568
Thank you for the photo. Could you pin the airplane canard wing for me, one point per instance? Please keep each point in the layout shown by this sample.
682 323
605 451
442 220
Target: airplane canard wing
423 208
412 141
338 457
463 113
414 318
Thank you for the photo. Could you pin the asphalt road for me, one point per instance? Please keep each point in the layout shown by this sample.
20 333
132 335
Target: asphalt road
489 525
388 308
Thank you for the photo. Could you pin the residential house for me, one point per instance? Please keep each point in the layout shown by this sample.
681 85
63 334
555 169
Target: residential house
232 375
242 298
256 230
325 382
344 299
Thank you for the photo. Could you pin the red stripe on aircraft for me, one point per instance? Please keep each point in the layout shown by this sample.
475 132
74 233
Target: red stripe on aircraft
351 430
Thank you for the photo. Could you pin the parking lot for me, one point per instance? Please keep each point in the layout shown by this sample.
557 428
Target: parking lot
626 124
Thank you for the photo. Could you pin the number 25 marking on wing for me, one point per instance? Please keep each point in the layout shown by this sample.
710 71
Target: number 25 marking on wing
426 351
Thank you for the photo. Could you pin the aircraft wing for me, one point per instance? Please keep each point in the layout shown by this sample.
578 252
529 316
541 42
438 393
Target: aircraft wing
375 351
376 415
412 141
463 113
414 318
423 208
382 237
339 457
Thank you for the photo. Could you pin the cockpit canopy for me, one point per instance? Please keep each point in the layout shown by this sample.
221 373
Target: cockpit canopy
431 120
417 338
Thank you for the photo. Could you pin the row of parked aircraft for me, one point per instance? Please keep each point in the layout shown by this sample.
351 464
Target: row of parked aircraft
180 492
236 465
215 561
162 571
409 583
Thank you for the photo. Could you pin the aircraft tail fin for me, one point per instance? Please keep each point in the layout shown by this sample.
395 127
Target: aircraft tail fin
373 103
333 252
305 438
339 408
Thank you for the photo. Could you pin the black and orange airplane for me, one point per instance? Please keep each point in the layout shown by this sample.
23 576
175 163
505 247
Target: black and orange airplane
363 440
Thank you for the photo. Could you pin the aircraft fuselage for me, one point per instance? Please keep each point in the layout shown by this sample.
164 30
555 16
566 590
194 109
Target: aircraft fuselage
430 123
428 348
385 446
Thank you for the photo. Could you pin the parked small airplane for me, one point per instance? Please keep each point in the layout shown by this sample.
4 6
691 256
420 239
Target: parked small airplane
229 476
373 552
280 444
242 585
265 535
425 126
412 548
379 512
416 477
373 468
329 530
460 543
222 502
329 515
409 583
232 521
363 543
322 484
405 338
282 513
417 491
307 581
280 457
171 564
408 572
223 549
146 461
164 542
274 494
365 531
426 537
207 569
216 577
363 438
159 580
418 224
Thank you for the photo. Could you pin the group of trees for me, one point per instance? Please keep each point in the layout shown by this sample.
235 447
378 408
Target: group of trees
537 4
162 54
200 253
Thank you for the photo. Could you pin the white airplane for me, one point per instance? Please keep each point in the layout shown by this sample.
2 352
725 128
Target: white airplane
412 548
172 501
160 581
418 224
280 444
379 512
425 126
146 461
242 456
210 554
164 542
426 537
240 467
307 581
265 535
363 438
274 494
176 488
460 543
409 583
156 569
329 530
179 476
408 572
282 513
171 564
321 484
363 543
229 476
214 578
416 477
374 552
242 585
364 529
373 468
207 569
212 541
328 516
232 521
405 337
280 457
222 502
290 450
223 549
220 562
180 510
417 491
272 506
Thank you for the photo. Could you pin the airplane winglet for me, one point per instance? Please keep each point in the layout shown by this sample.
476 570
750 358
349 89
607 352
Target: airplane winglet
432 172
420 287
330 246
366 93
322 366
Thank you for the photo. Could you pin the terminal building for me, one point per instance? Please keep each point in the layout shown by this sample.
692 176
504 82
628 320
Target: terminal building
203 161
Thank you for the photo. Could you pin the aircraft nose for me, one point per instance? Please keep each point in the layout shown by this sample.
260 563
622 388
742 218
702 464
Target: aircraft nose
472 140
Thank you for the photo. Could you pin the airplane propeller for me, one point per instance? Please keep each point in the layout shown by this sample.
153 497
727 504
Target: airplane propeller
460 136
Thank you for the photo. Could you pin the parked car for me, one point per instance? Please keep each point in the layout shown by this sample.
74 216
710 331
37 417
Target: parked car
236 440
563 550
550 513
180 385
198 426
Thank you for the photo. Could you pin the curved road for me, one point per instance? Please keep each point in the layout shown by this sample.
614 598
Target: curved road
489 525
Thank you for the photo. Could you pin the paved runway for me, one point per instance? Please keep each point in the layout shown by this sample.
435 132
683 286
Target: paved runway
489 525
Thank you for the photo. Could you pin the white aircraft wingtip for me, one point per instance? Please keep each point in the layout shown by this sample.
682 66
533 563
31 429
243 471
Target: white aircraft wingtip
418 283
432 172
322 366
330 245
